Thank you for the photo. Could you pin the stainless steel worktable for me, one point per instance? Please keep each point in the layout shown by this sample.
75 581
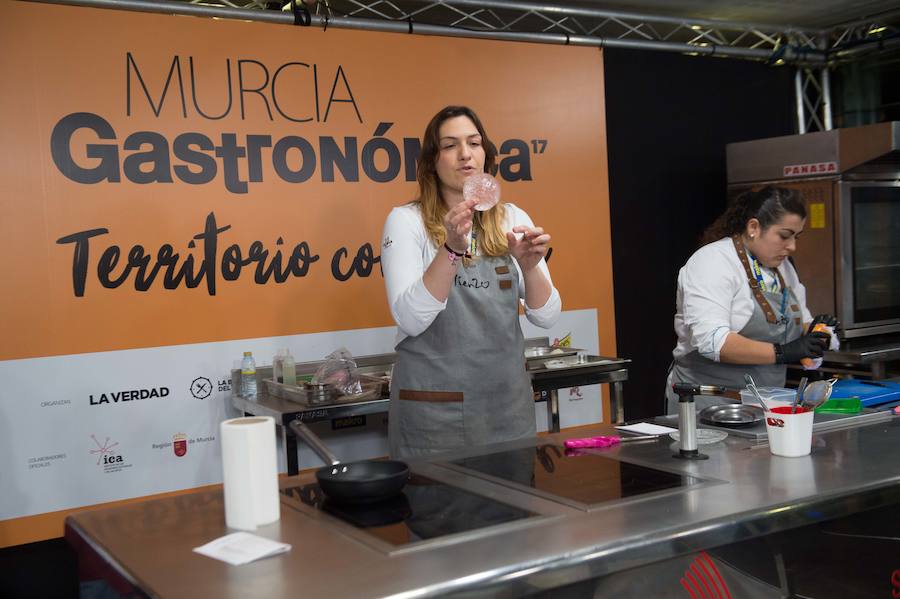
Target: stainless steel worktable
740 492
582 370
874 356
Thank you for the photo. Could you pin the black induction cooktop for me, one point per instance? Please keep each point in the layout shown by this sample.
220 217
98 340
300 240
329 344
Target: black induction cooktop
583 478
426 509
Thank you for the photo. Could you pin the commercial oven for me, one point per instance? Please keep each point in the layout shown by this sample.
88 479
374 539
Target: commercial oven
848 256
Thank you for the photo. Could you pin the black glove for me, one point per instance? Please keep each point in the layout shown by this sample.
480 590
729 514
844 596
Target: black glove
806 346
826 319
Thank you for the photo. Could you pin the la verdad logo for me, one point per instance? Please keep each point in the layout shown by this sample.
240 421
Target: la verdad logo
129 395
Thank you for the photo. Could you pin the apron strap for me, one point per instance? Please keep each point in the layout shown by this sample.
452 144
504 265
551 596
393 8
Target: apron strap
754 284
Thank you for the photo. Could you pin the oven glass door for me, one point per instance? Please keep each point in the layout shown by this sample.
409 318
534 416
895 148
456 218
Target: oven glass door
875 239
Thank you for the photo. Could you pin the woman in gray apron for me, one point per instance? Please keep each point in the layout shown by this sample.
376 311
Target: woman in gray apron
455 277
741 308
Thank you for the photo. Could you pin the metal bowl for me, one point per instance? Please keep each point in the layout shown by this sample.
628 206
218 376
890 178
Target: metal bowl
733 415
318 392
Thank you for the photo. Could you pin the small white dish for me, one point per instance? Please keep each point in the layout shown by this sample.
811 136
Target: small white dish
705 436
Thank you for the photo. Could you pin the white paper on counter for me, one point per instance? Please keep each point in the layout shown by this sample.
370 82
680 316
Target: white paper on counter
645 428
241 548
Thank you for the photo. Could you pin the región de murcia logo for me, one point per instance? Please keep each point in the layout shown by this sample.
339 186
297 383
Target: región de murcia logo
179 444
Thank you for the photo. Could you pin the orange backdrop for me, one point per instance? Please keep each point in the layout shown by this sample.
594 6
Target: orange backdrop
59 60
543 104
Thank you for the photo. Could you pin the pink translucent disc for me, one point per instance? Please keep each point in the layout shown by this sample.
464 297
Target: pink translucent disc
484 188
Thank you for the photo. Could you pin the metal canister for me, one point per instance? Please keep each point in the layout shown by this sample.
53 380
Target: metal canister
687 422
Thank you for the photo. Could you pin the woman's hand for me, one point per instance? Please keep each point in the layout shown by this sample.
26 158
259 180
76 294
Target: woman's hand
810 346
458 223
528 250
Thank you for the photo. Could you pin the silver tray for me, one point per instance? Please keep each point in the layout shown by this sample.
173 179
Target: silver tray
545 352
731 415
310 395
569 363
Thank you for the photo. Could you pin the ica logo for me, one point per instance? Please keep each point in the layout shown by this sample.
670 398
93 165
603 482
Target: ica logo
104 451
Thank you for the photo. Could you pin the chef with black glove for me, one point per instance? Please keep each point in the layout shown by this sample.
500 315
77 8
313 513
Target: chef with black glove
740 306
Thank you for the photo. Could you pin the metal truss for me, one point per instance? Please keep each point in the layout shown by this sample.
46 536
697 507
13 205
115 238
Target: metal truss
851 41
812 93
518 20
588 26
812 51
493 15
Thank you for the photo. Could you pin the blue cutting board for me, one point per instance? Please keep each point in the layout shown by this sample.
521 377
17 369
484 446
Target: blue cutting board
870 393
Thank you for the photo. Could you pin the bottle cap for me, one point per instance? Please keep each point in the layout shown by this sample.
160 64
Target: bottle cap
248 353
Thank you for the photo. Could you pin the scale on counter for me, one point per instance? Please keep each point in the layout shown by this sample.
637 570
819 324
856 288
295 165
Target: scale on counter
583 479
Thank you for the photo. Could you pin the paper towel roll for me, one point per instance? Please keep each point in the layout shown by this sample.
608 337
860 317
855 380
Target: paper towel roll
249 471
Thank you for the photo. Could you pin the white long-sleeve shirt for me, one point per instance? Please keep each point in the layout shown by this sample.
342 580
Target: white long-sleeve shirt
407 251
714 299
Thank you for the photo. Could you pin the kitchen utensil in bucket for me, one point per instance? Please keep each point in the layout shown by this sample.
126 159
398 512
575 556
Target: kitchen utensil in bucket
752 386
817 393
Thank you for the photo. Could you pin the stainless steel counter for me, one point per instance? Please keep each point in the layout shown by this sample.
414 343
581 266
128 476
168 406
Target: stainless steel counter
741 492
857 355
822 422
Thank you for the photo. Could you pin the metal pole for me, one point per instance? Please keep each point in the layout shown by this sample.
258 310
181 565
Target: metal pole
286 18
885 17
863 48
826 99
798 94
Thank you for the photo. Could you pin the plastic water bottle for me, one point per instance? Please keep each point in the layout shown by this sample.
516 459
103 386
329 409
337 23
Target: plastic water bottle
288 368
248 375
278 368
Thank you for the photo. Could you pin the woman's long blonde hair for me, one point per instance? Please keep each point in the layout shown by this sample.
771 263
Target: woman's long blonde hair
487 225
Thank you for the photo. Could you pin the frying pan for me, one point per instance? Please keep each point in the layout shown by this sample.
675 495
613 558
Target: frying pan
365 481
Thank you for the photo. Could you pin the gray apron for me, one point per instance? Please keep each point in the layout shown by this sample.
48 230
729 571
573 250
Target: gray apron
698 370
462 382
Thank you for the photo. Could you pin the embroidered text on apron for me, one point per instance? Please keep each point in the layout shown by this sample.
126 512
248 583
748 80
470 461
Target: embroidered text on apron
782 307
462 382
